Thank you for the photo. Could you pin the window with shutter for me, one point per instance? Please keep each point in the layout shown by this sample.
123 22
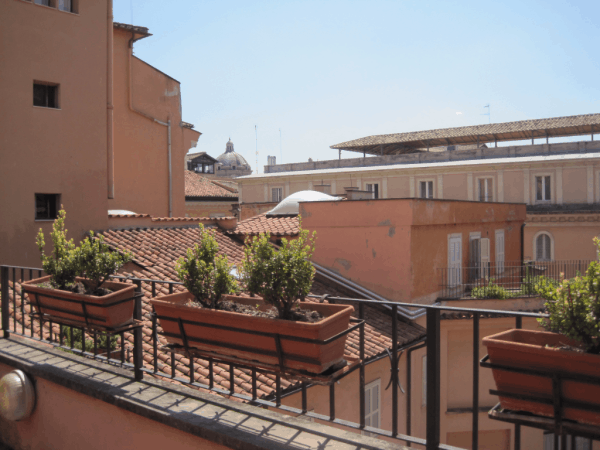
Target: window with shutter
542 188
426 189
276 194
485 189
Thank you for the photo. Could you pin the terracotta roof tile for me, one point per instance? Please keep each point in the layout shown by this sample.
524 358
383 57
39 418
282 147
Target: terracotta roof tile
198 186
160 248
276 225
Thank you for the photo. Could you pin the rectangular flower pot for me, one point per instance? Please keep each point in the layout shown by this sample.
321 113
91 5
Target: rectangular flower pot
110 311
254 338
538 350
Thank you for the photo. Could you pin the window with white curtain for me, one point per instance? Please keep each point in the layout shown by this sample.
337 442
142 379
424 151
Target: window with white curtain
543 247
373 404
426 189
65 5
485 190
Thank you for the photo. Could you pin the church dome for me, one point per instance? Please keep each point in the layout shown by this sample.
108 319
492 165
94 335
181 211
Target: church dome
231 159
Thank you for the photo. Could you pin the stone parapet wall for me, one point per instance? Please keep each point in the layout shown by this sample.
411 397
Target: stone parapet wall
453 155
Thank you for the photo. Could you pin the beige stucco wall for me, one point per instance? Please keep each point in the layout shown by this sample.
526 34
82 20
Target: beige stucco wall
44 150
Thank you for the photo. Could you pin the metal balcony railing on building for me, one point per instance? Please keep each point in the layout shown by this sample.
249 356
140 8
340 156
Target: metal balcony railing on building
513 279
18 319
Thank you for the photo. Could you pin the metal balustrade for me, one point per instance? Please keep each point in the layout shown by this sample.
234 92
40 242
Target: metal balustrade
14 322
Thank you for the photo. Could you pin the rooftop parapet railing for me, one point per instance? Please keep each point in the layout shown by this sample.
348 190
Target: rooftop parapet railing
494 280
17 318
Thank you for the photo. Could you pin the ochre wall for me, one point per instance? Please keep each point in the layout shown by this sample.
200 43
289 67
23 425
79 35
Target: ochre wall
254 209
45 150
205 209
141 152
65 419
399 245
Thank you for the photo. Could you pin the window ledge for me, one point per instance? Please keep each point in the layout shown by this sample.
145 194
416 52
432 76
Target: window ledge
47 107
44 220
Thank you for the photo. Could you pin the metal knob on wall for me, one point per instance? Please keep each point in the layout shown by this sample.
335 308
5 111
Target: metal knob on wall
17 396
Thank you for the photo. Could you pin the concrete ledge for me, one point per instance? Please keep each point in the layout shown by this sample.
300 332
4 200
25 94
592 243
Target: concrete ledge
216 419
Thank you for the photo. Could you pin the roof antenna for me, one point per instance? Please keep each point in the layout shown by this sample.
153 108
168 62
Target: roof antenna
256 132
489 113
280 150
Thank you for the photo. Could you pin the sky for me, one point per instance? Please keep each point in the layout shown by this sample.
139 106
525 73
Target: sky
291 78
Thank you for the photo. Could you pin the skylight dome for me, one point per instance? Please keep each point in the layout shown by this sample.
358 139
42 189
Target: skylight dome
289 206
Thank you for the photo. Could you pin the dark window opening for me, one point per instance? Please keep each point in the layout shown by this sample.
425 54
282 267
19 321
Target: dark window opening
45 95
46 206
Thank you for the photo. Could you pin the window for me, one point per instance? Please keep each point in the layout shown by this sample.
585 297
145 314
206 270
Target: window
543 247
374 188
426 189
276 194
454 259
499 251
484 186
580 442
542 188
46 206
372 404
65 5
45 95
43 2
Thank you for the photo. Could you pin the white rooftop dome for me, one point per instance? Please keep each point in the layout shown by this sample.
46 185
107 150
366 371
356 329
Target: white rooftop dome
290 205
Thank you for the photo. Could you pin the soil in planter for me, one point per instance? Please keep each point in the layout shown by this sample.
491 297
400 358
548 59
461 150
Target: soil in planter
299 315
79 288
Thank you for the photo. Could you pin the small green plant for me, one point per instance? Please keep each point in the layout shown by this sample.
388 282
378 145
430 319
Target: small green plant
101 341
573 306
204 274
93 259
97 263
492 290
63 263
281 277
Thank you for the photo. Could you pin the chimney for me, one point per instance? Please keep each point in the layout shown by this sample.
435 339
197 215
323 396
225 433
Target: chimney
353 193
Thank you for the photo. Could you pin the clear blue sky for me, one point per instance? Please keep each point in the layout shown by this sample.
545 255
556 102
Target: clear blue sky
329 71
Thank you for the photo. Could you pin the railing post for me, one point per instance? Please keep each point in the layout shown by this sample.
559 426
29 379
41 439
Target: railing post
433 379
5 304
137 334
475 418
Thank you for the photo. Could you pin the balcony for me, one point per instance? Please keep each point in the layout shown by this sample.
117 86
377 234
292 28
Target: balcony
509 279
154 382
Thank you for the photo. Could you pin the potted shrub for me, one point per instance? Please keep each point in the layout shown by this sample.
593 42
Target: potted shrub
570 347
254 329
77 285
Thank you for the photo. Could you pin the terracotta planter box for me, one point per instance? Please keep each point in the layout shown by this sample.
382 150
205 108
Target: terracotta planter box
58 304
527 349
242 332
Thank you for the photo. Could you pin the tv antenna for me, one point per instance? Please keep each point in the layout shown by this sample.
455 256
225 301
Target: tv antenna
280 150
256 133
488 113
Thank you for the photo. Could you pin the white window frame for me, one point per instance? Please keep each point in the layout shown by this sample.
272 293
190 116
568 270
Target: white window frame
543 175
272 188
455 279
500 261
535 244
369 415
489 194
427 181
370 187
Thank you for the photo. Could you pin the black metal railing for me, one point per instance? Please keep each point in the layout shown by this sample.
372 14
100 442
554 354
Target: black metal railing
17 311
508 279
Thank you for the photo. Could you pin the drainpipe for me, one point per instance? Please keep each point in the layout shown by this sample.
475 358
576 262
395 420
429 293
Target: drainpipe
141 113
109 103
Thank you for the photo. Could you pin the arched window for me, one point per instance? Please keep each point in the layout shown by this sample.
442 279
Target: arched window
543 247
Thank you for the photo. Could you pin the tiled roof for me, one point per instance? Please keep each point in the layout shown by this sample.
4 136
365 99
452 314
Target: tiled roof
158 249
507 131
135 216
134 28
276 225
198 186
190 219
